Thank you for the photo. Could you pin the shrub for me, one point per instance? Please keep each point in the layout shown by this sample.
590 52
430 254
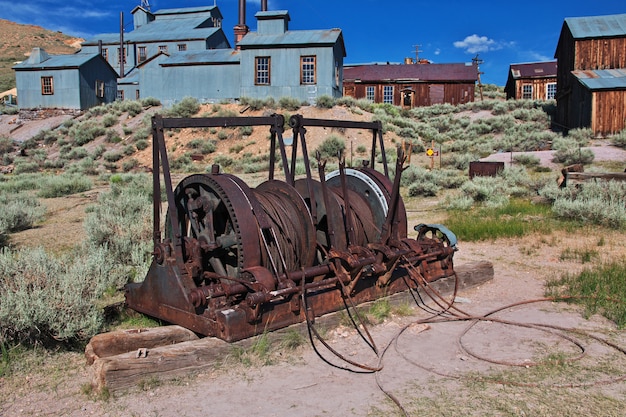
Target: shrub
6 145
150 101
527 159
65 184
619 139
289 103
77 153
19 212
45 299
129 165
142 144
112 156
86 132
85 166
25 167
109 120
204 146
325 102
187 107
331 147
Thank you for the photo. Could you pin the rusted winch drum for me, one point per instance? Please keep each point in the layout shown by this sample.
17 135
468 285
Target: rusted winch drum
259 234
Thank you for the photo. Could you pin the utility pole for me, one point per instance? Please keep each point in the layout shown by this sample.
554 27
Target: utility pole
417 52
477 62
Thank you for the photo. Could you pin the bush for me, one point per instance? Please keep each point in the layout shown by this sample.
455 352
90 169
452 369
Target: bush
109 120
289 103
187 107
26 167
150 101
19 212
62 185
45 299
331 147
112 156
619 139
86 132
325 102
203 146
6 145
142 144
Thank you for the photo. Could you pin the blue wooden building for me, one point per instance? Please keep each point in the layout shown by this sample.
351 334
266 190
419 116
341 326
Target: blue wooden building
76 81
277 62
176 53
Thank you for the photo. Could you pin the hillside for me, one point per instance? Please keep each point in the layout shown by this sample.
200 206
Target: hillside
17 40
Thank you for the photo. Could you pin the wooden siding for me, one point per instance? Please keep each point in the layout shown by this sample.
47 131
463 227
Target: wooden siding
607 114
540 87
603 53
422 94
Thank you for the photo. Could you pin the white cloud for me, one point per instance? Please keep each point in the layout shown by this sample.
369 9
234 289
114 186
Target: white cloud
474 44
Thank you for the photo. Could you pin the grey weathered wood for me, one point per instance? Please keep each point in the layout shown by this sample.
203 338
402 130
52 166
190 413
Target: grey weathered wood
573 178
170 360
122 341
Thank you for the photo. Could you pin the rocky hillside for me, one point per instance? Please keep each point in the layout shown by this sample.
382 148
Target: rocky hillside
17 40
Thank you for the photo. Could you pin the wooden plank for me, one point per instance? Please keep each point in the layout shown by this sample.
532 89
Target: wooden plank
578 177
126 370
122 341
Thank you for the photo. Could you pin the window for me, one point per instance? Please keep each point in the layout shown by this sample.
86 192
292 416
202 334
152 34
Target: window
182 46
369 93
527 91
47 86
336 74
262 65
100 88
551 91
105 53
163 48
307 70
388 94
119 54
137 95
141 51
120 95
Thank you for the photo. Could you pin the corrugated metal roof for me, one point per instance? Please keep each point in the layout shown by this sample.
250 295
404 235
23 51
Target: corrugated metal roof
297 37
270 14
211 56
602 79
597 26
534 69
418 72
163 30
58 61
183 10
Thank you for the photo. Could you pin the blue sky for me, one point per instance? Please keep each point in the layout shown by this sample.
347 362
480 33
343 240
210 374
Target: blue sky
501 33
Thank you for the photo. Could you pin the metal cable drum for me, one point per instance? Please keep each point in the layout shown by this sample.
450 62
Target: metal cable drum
375 190
242 228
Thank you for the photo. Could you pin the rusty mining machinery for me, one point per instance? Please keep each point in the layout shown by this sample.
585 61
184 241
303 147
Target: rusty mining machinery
237 261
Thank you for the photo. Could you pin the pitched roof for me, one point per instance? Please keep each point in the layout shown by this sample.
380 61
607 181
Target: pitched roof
207 57
533 70
57 61
291 38
597 26
608 79
170 25
410 72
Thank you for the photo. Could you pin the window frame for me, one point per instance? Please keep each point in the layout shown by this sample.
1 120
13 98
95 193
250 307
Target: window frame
388 94
142 53
105 53
120 52
182 47
370 93
163 48
550 95
47 85
262 75
119 95
308 70
527 91
100 88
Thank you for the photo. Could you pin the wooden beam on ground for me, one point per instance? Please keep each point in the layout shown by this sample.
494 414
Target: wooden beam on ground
161 354
573 178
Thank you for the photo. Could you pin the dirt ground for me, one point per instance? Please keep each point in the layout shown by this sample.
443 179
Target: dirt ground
299 383
421 364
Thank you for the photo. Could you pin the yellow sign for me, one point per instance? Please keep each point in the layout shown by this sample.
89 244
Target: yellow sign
431 152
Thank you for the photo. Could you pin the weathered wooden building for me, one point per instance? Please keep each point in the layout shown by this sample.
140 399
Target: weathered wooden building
176 53
587 96
411 85
532 81
76 81
277 62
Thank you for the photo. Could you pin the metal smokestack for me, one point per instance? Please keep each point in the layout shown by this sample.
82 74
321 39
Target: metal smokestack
263 5
240 28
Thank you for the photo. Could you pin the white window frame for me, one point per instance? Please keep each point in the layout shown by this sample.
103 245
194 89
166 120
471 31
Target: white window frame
370 93
527 91
550 91
388 94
